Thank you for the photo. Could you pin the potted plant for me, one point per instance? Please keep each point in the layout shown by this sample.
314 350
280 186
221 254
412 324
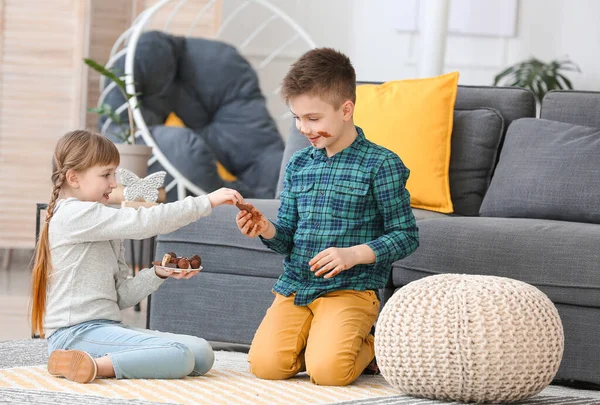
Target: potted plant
133 157
537 76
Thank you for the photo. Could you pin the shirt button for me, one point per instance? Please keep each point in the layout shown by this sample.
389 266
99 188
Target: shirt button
329 162
321 192
316 224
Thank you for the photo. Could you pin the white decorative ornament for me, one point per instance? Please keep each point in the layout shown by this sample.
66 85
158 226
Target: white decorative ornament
146 188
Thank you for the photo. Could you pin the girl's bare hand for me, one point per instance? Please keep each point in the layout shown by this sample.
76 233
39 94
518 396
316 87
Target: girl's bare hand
186 274
225 196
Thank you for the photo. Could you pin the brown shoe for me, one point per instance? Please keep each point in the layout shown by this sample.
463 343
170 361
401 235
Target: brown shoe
372 368
74 365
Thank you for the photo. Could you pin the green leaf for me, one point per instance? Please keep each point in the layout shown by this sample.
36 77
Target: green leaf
537 76
567 82
569 65
128 128
503 74
539 92
106 72
551 83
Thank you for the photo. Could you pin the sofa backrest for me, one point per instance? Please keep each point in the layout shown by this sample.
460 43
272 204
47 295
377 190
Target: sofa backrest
511 102
572 107
482 114
547 168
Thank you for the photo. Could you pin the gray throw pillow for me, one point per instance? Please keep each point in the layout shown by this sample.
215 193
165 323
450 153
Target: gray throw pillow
547 170
293 144
476 136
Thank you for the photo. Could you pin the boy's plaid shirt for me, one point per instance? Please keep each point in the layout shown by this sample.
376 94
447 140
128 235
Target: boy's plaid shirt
357 196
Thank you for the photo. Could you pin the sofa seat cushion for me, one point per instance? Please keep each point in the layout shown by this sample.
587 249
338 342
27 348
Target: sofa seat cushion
560 258
222 246
424 214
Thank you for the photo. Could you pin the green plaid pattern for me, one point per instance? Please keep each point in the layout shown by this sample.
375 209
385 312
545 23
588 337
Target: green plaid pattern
357 196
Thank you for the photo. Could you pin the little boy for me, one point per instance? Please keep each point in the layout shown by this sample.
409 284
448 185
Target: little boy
344 218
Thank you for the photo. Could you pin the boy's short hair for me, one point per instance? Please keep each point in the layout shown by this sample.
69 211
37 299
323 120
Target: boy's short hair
322 72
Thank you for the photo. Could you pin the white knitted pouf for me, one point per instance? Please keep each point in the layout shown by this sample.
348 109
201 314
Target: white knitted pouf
469 338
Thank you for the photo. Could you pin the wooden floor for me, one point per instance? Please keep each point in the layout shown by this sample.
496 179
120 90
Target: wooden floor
14 299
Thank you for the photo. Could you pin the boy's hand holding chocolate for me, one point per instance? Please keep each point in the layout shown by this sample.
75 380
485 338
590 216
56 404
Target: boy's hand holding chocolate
245 207
250 221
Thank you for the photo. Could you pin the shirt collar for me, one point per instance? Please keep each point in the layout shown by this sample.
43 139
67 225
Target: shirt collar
321 154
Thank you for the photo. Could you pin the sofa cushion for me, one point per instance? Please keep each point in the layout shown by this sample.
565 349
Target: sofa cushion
295 142
548 170
424 214
414 118
174 121
560 258
190 155
572 107
475 141
511 102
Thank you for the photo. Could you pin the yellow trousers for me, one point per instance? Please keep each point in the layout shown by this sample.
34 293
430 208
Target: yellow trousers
329 338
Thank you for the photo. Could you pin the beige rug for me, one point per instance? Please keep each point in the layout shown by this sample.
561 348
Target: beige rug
229 382
24 380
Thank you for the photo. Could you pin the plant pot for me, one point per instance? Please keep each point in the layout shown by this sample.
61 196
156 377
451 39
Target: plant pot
134 158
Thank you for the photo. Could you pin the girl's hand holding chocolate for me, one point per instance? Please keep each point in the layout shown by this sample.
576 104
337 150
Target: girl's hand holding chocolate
177 267
166 272
224 196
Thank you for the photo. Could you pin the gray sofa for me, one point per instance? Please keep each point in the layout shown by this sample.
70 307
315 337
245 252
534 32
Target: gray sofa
522 210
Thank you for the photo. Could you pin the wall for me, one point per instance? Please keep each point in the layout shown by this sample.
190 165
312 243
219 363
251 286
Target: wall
41 78
45 89
546 29
364 29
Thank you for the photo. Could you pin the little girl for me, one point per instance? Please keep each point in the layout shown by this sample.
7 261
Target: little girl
80 279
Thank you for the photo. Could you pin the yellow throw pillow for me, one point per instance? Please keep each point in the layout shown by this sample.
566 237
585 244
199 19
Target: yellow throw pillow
174 121
414 119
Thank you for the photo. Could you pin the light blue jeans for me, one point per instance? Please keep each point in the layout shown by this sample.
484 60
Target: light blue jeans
135 352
